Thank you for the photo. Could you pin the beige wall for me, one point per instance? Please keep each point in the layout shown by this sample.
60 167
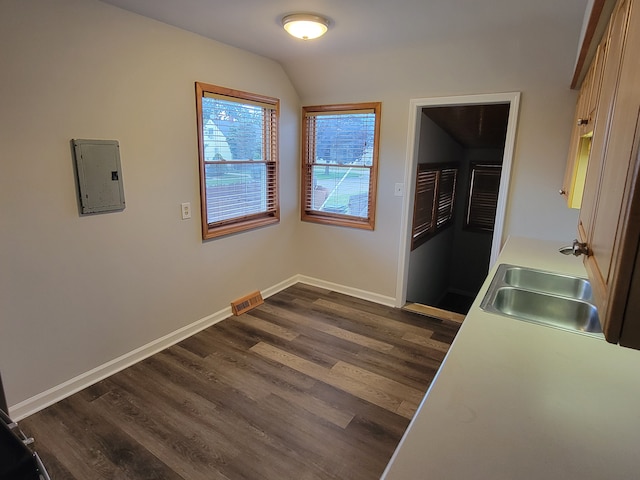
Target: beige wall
78 292
535 58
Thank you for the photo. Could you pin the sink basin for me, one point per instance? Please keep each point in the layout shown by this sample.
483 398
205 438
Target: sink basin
549 309
548 282
546 298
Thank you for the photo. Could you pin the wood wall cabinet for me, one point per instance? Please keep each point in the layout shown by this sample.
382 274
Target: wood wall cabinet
575 173
583 126
609 223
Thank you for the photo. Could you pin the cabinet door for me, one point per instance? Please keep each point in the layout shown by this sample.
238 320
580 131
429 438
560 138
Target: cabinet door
596 80
603 118
625 289
584 122
606 226
568 182
575 171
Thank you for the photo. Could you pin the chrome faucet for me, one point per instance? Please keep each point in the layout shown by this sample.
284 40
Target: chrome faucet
576 249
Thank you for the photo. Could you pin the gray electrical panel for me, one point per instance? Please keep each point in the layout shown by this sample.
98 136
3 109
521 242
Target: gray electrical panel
99 174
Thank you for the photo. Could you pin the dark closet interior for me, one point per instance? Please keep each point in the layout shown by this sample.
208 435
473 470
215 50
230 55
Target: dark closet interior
458 175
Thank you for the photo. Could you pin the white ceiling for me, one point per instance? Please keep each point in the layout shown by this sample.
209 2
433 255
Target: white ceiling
357 26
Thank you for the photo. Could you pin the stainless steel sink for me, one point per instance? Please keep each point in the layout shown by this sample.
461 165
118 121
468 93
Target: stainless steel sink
546 298
548 282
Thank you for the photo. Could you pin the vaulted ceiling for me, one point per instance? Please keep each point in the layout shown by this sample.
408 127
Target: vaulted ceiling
357 26
364 29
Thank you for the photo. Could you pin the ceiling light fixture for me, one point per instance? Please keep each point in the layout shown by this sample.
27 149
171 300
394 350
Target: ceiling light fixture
305 26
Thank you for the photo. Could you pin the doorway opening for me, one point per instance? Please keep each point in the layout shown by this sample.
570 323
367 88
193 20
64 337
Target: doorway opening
457 173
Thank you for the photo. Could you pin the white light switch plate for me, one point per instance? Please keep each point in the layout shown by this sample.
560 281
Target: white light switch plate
398 191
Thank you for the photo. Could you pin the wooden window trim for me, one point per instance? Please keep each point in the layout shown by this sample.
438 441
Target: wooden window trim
308 153
432 210
271 125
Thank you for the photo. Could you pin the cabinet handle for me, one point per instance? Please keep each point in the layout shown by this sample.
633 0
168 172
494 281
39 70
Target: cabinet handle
583 121
562 191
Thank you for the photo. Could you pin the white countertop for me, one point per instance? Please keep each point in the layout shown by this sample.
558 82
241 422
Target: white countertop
516 400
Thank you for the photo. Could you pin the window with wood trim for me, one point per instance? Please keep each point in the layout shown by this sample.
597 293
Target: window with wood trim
484 186
238 156
434 200
340 164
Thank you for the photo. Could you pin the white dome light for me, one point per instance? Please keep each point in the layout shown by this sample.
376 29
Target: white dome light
305 26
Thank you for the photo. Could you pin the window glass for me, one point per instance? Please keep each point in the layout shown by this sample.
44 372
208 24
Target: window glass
340 164
238 159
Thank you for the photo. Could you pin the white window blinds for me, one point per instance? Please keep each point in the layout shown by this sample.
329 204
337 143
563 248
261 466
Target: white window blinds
238 134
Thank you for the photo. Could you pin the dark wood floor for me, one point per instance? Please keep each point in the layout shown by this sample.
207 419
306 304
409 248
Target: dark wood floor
311 385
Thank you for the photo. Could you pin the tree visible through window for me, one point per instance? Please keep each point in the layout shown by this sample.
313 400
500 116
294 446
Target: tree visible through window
339 164
238 156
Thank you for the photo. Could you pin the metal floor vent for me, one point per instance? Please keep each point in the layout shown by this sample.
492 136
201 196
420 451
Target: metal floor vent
246 303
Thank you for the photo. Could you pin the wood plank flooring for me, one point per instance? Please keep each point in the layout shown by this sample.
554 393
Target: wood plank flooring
310 385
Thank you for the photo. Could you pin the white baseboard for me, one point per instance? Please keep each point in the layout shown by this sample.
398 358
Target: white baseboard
278 287
354 292
84 380
55 394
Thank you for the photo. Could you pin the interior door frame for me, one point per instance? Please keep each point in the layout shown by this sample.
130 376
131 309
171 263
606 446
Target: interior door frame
413 140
